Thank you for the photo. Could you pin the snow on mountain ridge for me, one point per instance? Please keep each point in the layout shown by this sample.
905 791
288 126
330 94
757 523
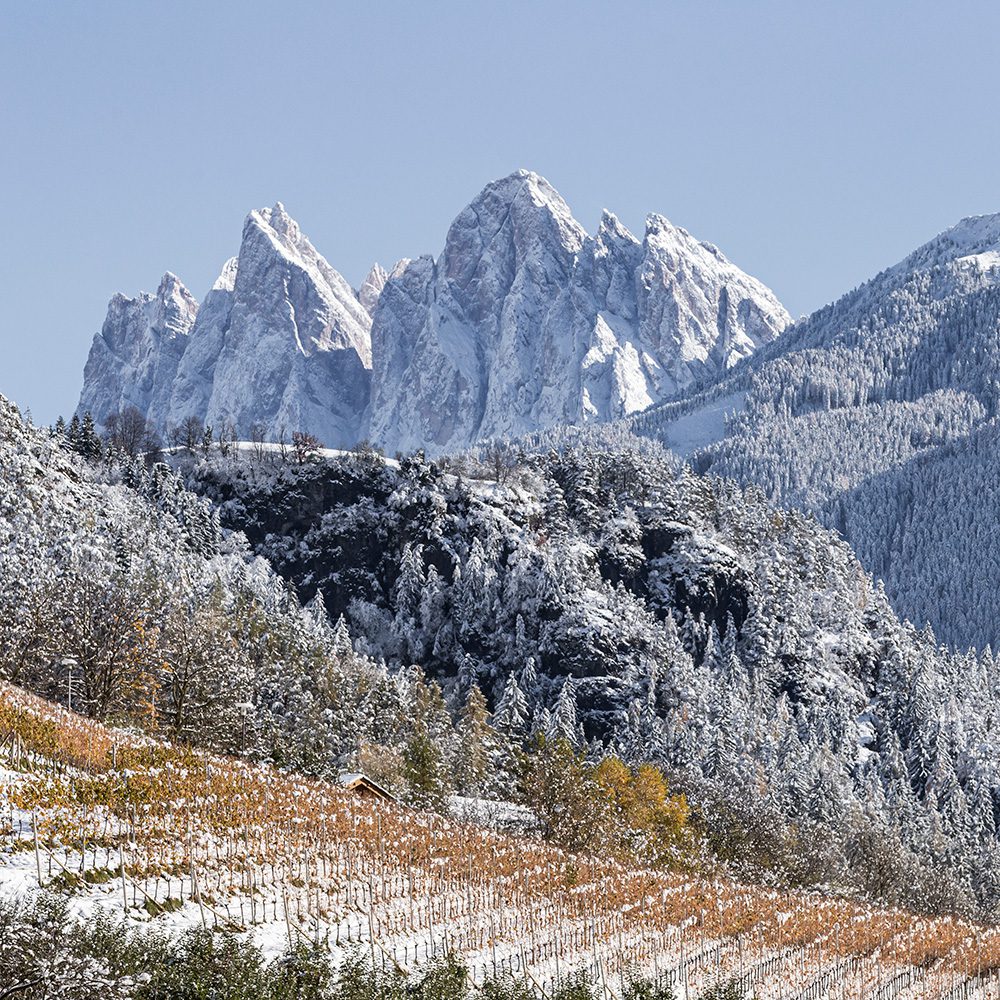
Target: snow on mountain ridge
226 280
878 413
134 359
526 321
972 237
371 287
523 322
345 322
288 348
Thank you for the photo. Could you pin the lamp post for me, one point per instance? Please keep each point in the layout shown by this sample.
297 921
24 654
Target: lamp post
69 662
245 708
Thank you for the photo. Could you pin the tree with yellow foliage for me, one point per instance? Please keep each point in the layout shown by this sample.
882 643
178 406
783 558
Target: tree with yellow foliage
628 811
652 824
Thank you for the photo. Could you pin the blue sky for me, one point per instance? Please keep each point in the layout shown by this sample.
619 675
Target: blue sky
815 143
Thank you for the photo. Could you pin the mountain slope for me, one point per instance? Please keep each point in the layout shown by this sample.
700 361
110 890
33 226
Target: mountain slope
525 321
237 847
591 595
855 402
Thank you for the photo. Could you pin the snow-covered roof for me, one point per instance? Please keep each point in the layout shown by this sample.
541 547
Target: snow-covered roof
353 780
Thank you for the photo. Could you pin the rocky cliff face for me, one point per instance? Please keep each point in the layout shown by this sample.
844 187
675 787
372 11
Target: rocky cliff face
524 321
133 360
371 287
295 350
192 389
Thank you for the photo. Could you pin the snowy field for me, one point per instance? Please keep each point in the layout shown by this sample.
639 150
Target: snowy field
251 449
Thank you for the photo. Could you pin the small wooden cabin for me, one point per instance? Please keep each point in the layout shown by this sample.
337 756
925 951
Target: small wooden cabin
365 788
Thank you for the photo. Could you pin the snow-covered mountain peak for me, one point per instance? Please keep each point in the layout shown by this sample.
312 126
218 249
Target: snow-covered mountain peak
170 283
280 228
657 223
286 343
167 313
226 281
330 317
536 186
975 233
280 341
974 240
521 208
674 255
282 223
662 232
523 322
611 229
371 287
134 358
175 307
542 192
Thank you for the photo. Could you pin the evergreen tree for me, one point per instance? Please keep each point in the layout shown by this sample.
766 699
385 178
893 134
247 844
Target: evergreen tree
473 762
563 723
427 785
512 712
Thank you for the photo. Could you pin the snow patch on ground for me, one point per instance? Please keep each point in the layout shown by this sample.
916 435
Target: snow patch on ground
507 816
703 426
986 261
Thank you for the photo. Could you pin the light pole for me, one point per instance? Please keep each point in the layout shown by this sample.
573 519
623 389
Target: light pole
69 662
245 708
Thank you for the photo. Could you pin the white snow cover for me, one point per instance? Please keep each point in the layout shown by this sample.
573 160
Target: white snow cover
972 237
134 359
371 287
524 322
288 346
280 340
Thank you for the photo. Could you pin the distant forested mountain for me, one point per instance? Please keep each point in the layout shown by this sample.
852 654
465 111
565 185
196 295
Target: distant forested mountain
878 413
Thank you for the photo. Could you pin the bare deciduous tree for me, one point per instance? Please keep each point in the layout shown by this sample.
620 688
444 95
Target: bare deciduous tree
129 431
228 439
188 434
305 446
258 435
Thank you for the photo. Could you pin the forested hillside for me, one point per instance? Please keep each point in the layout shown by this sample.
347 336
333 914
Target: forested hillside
595 592
505 626
876 413
121 596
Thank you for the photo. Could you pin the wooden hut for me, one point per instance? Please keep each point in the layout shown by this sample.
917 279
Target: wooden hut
365 788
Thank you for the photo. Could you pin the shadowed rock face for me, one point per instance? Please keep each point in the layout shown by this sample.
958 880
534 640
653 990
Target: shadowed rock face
524 322
192 388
